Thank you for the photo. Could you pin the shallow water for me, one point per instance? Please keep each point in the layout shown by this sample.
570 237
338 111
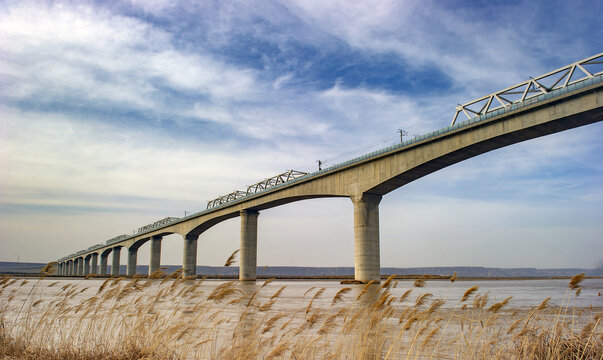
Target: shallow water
525 293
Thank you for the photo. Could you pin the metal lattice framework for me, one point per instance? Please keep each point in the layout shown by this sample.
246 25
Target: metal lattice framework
257 187
116 239
542 84
157 224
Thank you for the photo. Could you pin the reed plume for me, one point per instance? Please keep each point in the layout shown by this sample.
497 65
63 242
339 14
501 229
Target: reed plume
339 296
387 283
405 295
422 298
468 293
278 293
267 282
574 283
231 258
365 289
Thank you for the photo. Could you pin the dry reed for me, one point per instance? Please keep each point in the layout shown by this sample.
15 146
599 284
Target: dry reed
172 319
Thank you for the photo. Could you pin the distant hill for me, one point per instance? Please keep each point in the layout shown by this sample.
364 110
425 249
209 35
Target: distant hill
299 271
20 267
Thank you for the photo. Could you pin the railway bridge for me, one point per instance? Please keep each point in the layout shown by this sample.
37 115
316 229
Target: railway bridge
563 99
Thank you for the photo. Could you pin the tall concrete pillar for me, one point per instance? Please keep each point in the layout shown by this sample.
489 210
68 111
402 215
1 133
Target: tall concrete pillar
87 266
249 245
94 264
80 266
103 263
189 256
155 261
132 255
115 263
70 268
367 263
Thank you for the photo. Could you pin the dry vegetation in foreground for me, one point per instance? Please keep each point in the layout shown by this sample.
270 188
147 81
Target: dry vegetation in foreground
175 318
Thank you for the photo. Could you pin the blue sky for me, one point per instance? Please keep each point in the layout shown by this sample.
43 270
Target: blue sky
116 114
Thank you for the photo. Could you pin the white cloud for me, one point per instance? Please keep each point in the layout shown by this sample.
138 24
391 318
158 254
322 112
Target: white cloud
480 55
83 53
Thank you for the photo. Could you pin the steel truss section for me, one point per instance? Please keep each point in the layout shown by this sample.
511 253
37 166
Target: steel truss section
116 239
542 84
157 224
257 187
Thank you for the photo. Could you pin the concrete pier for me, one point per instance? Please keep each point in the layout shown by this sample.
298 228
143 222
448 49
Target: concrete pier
87 265
70 268
132 257
155 260
249 245
80 266
94 264
189 256
103 263
367 262
115 263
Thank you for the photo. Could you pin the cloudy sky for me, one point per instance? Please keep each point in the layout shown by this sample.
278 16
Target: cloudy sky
116 114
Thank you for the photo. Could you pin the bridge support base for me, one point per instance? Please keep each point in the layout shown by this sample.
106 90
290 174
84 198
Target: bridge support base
367 263
115 264
103 263
249 245
94 264
132 259
189 257
155 261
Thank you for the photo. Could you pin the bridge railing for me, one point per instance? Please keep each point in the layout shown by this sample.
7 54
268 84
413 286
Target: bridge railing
257 187
116 239
157 224
526 90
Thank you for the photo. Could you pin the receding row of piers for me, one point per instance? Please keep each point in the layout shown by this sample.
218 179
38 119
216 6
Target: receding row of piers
366 248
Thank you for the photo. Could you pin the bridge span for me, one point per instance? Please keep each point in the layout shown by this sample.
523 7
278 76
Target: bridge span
554 102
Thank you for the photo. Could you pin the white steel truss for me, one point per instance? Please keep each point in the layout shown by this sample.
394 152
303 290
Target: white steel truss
157 224
257 187
542 84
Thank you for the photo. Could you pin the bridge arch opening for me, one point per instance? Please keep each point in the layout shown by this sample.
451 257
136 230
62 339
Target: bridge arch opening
143 254
218 242
294 234
172 246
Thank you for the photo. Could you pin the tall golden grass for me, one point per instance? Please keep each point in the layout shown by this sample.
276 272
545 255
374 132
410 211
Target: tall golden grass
175 318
